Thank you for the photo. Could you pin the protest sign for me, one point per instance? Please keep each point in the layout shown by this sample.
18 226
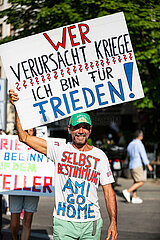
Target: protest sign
76 68
24 171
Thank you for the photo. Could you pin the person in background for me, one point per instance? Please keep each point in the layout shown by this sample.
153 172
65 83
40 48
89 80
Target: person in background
6 204
79 168
121 139
17 204
138 157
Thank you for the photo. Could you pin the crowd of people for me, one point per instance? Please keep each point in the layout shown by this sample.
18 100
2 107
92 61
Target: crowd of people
76 211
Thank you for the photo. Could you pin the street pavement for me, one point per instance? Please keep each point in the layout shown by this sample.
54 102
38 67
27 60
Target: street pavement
135 221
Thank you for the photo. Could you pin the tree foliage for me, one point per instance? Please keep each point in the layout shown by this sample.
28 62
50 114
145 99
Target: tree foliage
29 17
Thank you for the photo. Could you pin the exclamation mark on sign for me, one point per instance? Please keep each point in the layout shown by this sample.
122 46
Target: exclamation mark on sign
128 67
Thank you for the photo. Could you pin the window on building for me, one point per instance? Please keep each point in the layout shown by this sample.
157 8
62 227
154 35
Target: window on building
1 2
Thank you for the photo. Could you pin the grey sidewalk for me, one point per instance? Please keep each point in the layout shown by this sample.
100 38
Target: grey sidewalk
135 221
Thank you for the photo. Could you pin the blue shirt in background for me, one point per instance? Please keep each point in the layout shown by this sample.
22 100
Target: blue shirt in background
137 154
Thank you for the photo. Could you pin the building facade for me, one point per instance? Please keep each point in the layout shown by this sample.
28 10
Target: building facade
5 30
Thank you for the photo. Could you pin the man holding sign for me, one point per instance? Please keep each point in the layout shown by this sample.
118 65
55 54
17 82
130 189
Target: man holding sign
79 168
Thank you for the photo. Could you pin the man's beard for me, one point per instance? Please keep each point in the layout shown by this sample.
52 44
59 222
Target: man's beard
80 143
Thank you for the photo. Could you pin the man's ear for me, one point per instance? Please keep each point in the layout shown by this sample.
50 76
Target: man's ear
69 129
90 130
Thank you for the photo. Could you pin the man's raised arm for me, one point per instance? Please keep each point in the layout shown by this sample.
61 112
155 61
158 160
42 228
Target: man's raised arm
36 143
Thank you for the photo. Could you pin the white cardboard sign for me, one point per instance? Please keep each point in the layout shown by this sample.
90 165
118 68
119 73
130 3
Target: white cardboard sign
24 171
76 68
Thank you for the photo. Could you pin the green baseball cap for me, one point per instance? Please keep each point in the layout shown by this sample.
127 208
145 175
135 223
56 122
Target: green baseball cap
80 118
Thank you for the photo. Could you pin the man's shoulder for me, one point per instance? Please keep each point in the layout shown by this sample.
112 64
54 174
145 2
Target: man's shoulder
139 142
99 151
134 141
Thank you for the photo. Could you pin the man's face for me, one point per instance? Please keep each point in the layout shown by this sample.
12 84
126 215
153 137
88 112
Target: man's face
141 137
80 133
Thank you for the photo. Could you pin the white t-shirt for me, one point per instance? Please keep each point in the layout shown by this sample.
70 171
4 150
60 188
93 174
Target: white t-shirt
77 176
